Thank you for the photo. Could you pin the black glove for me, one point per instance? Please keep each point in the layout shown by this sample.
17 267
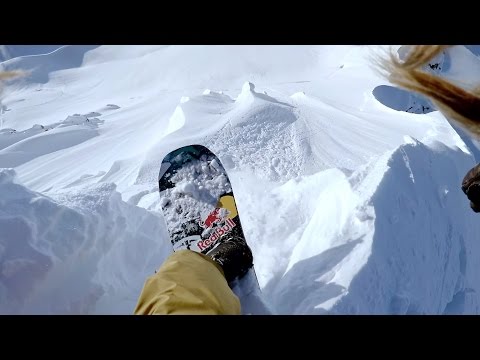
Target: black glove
471 187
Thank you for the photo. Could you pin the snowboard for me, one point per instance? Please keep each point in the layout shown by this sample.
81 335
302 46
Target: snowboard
199 209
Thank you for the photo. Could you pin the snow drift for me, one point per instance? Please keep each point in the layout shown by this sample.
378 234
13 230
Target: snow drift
73 254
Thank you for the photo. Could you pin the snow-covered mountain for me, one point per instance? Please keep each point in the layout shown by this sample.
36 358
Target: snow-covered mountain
8 52
350 202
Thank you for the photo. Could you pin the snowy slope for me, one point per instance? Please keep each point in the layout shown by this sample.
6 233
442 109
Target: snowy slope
350 203
8 52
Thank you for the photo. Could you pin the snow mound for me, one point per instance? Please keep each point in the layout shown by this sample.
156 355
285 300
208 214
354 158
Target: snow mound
17 148
75 252
401 248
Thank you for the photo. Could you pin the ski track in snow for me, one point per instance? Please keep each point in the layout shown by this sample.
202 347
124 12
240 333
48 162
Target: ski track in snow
351 203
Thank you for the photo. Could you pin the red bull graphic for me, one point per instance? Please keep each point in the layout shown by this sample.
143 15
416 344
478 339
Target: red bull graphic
212 218
217 234
218 222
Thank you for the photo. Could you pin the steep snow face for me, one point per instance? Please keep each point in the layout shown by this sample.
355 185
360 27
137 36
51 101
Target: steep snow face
400 242
351 203
72 252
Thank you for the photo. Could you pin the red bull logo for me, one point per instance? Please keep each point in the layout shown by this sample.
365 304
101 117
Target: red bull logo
219 220
212 218
217 234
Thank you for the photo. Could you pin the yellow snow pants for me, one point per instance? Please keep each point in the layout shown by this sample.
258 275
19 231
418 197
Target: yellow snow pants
188 283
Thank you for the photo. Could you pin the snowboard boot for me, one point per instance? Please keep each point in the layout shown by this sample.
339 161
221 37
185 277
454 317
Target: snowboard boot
234 256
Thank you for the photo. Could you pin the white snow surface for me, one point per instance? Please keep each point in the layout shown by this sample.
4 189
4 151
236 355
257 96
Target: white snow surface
351 204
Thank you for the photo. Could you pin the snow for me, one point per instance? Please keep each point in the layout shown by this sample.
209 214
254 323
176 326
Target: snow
71 253
10 51
351 203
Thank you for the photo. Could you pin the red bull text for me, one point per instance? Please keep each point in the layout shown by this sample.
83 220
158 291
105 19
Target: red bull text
217 234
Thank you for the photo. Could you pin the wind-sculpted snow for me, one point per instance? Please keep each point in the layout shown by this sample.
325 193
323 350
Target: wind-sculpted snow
78 252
